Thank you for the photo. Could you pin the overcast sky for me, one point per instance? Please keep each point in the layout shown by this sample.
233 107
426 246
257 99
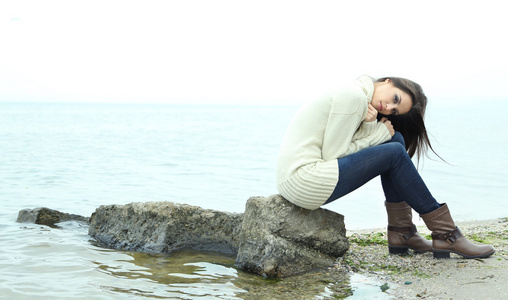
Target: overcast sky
216 51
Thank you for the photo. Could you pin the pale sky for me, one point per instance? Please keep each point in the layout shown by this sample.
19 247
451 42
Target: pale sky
217 51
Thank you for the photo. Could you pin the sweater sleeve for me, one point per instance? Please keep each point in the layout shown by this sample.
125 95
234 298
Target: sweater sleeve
365 129
368 134
377 132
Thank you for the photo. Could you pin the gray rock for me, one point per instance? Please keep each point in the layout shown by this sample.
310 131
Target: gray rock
273 238
164 227
279 239
46 216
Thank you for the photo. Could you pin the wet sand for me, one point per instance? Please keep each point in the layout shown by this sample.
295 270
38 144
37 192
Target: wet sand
420 276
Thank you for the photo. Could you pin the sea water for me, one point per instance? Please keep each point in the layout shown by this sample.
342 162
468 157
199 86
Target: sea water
75 157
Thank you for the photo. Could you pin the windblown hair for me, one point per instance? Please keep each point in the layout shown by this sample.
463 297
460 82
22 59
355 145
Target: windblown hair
411 125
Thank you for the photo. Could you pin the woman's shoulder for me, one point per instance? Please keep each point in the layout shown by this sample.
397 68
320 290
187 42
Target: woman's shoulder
349 98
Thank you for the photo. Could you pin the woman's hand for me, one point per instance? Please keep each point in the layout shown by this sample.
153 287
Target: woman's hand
371 114
388 125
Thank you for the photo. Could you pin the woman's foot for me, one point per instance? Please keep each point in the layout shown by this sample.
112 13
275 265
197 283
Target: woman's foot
447 238
402 233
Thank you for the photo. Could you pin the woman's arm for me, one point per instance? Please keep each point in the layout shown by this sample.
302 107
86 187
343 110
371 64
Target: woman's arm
370 133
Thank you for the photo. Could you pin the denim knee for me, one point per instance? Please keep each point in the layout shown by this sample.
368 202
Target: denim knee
401 148
398 138
396 151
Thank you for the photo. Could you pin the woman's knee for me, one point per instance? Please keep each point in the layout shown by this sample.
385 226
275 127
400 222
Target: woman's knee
397 149
388 152
398 138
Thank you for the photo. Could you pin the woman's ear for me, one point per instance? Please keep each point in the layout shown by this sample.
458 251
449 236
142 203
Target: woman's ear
388 81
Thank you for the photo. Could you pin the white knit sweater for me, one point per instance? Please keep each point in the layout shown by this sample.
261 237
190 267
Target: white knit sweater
321 132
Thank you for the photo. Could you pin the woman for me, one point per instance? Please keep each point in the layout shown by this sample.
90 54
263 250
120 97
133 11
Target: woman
344 139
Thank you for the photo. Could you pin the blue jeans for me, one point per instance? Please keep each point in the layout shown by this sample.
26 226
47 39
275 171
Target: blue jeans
399 177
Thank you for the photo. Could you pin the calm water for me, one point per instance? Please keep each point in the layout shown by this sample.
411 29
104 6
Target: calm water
75 157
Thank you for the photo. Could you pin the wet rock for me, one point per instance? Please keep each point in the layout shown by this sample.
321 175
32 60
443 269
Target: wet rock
279 239
46 216
273 238
164 227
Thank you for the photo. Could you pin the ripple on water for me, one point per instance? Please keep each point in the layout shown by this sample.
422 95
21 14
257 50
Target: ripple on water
57 263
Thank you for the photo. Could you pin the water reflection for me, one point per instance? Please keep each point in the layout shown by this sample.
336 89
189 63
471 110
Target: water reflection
66 264
207 275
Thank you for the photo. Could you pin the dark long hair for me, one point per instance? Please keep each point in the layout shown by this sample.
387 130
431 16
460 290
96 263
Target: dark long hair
411 125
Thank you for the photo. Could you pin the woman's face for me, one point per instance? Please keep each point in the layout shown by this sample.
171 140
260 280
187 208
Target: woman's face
388 99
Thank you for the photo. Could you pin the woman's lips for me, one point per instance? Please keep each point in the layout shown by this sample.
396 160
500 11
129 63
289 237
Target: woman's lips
380 106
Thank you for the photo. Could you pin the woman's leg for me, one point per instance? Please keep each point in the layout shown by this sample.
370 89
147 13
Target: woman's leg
403 183
389 189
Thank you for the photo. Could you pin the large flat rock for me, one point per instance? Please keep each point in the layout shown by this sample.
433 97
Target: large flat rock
164 227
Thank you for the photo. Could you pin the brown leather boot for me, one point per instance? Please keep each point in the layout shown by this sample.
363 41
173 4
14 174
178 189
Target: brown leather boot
446 237
402 234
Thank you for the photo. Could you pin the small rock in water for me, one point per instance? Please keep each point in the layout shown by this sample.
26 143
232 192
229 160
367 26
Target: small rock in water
384 287
46 216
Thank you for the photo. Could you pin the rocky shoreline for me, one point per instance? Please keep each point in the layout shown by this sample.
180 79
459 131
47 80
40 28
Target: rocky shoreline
273 237
413 276
420 276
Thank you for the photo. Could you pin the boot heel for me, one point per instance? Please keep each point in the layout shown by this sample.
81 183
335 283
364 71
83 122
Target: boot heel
398 250
441 254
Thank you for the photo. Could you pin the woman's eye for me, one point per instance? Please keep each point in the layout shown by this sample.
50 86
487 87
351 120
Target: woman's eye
394 111
396 99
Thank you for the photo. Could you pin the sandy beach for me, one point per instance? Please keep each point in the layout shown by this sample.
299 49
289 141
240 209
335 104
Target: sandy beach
420 276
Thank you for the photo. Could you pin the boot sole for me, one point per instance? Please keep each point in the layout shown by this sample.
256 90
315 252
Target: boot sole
446 254
402 250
